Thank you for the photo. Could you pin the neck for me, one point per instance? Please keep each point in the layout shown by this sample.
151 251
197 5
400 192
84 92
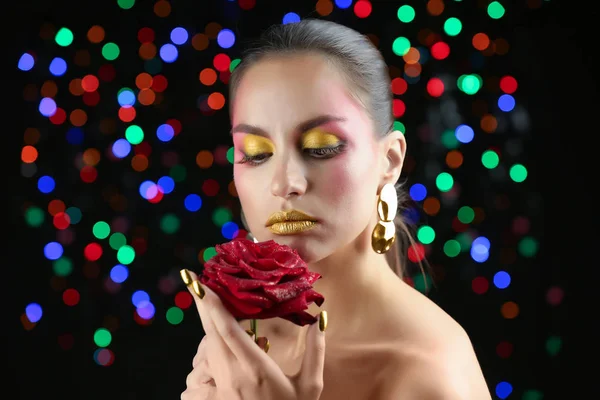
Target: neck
354 283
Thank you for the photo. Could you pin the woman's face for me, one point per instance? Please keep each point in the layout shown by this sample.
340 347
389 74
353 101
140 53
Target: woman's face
302 142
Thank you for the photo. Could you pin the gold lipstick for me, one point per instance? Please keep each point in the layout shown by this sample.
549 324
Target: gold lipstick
290 222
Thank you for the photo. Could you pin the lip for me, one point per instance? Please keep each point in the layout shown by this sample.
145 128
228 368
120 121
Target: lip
291 227
289 216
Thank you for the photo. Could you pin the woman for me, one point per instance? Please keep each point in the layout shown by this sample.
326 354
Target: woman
311 111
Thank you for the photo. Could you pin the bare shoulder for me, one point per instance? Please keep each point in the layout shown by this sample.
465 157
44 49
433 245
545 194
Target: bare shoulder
434 360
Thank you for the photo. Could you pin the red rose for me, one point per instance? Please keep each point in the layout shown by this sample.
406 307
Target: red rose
262 280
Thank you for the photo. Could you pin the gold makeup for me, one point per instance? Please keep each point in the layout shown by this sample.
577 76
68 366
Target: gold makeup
316 139
253 145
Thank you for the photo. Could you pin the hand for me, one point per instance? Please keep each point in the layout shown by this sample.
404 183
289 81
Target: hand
242 370
200 385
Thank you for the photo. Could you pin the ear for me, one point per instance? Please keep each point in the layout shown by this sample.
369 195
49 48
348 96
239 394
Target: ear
395 151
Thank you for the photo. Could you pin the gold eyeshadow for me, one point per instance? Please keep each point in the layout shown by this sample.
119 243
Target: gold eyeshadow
254 145
317 138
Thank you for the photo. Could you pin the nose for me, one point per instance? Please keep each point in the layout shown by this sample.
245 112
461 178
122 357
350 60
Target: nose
288 179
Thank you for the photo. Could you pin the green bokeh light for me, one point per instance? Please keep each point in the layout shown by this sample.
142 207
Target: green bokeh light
221 215
532 395
64 37
126 254
102 337
234 63
452 248
465 241
470 84
528 247
449 139
126 4
110 51
101 230
134 134
62 267
518 173
178 173
466 214
495 10
399 126
230 154
406 13
34 216
422 283
553 345
426 234
170 223
490 159
117 240
174 315
209 253
452 26
444 182
401 46
74 214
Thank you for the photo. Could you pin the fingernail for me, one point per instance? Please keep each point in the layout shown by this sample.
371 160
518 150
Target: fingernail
250 333
186 277
323 321
263 343
267 346
198 289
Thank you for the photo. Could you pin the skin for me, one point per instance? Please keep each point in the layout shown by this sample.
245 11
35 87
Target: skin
379 326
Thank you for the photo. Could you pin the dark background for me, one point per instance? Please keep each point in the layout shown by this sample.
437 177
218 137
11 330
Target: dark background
550 55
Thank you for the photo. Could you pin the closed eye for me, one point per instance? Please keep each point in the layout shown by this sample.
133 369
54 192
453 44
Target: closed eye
318 153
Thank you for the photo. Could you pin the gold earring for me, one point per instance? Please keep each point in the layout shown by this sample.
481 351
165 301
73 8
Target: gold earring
384 233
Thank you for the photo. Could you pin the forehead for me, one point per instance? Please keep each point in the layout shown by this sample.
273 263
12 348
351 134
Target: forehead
292 88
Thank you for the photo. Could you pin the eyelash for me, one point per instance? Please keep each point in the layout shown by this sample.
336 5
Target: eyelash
321 153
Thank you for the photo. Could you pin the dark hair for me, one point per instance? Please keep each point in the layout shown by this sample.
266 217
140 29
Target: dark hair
366 73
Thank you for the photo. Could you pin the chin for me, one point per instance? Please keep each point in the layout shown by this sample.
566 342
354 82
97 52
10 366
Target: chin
304 244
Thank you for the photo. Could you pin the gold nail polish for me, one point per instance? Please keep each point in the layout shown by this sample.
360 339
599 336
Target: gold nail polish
323 321
198 289
250 333
186 277
267 346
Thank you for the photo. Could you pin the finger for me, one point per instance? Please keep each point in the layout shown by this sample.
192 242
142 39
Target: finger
193 285
200 375
313 363
202 393
201 352
234 336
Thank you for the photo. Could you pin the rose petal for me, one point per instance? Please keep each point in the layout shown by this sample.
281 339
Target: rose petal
288 290
237 308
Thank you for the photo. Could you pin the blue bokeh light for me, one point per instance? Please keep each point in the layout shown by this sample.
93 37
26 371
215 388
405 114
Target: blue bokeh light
166 184
138 297
343 3
58 66
501 279
148 190
75 135
121 148
226 38
290 18
230 230
179 35
26 62
506 102
168 53
34 312
53 250
119 273
503 390
418 192
192 202
145 309
464 133
46 184
47 107
126 98
165 132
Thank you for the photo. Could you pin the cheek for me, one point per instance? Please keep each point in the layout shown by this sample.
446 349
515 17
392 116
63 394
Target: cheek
345 180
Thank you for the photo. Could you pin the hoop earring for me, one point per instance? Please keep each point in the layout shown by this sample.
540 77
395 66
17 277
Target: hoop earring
384 233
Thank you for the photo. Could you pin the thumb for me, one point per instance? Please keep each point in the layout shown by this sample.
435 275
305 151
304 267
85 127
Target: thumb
311 372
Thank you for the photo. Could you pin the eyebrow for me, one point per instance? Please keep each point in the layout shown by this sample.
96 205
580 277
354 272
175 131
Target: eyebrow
302 127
